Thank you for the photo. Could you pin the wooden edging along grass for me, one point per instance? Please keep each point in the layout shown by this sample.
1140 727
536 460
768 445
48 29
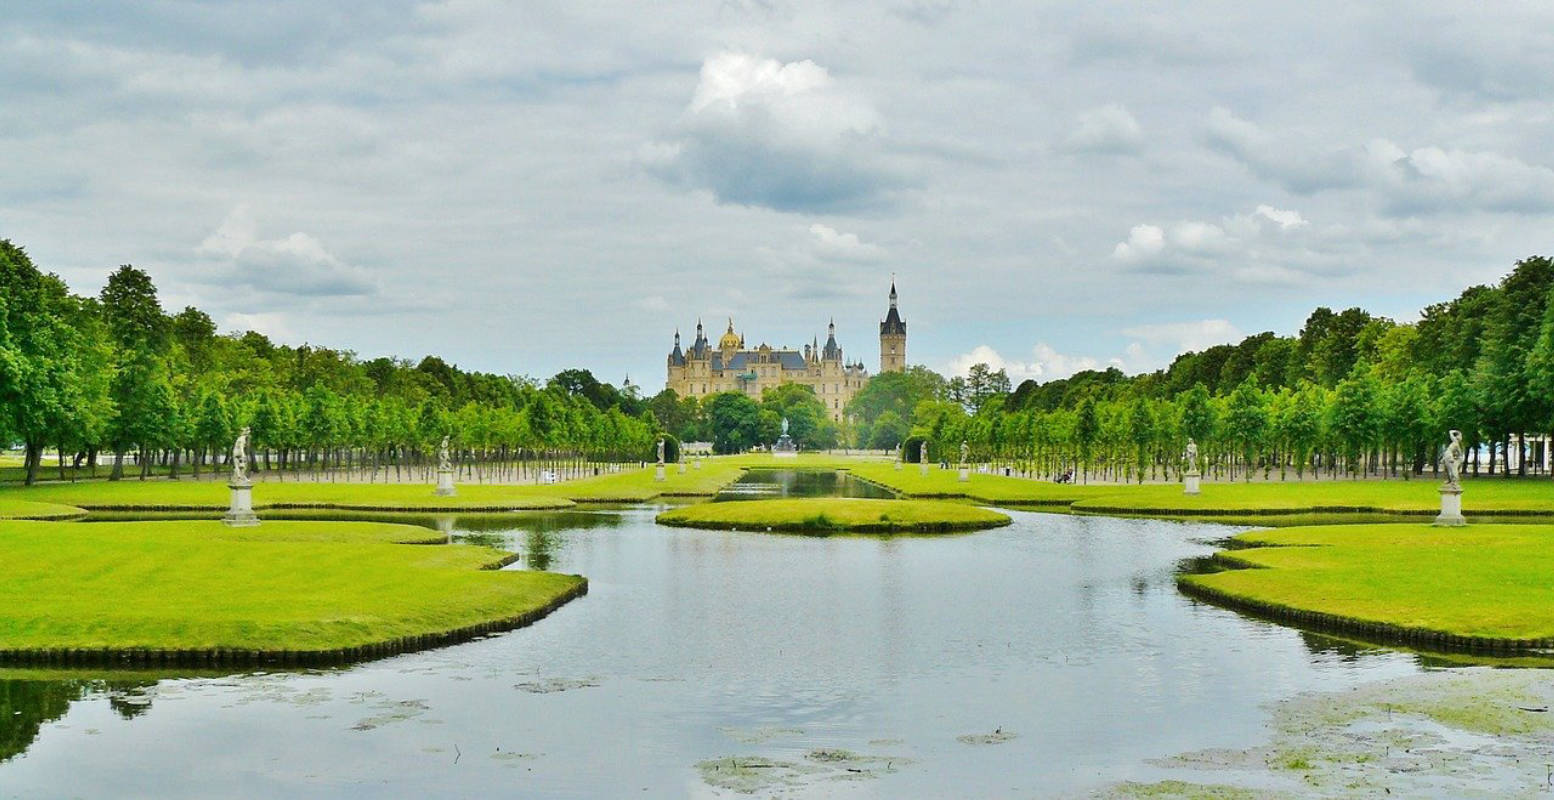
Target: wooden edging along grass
146 657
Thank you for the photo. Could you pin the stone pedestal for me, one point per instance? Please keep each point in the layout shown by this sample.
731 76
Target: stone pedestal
1190 483
923 467
445 483
965 474
241 514
698 462
658 472
1451 508
680 468
898 466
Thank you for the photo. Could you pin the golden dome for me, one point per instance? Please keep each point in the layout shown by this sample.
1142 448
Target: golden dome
730 340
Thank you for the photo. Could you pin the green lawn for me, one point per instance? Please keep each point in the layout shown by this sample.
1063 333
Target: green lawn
991 489
12 507
198 585
1392 496
1488 581
836 515
636 485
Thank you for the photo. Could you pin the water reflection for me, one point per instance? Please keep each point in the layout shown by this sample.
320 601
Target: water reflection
694 646
764 484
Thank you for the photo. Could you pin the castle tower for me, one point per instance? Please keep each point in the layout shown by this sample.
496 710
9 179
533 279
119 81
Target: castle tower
893 338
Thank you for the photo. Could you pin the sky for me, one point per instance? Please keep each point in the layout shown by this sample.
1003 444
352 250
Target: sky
526 187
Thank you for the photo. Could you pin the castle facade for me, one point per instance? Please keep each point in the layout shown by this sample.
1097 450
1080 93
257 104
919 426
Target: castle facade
704 370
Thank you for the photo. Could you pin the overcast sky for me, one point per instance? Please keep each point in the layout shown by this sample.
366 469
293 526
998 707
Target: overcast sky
530 186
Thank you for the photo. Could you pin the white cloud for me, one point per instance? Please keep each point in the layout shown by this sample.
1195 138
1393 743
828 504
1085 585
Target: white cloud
1144 241
831 244
781 135
1044 364
1428 179
1108 129
1286 219
295 264
1181 337
1249 247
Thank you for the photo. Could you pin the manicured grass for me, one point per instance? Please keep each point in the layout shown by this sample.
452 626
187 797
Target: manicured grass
633 486
297 586
214 496
12 507
1407 581
1420 497
991 489
639 486
836 515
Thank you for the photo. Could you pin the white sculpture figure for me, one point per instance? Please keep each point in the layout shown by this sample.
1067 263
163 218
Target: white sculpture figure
444 460
784 426
1192 457
660 450
240 458
964 451
1453 460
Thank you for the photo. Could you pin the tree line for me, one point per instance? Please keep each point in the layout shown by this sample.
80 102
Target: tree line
1351 394
116 374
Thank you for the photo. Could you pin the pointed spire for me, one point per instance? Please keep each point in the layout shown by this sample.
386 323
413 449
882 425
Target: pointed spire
892 290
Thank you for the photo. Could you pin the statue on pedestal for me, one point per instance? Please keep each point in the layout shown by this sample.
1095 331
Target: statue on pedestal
964 451
240 458
444 460
1191 455
660 450
1453 460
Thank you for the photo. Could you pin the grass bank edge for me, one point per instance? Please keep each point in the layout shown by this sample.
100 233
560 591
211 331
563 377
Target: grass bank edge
836 515
443 603
1480 589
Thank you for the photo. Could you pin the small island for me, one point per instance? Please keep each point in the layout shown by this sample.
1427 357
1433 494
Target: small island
836 515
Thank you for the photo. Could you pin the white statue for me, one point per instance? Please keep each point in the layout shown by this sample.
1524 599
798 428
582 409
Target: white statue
1453 460
444 460
922 452
964 451
1192 456
660 450
240 457
784 426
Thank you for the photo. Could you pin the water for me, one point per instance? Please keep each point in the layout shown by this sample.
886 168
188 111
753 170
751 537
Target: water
1064 633
764 484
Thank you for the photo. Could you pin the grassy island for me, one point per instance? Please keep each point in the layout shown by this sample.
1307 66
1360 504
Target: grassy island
1481 587
836 515
197 592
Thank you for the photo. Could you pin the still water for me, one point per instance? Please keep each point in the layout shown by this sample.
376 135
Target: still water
1048 657
767 484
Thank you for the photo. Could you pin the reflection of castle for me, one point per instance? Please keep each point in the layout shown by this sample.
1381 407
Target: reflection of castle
703 370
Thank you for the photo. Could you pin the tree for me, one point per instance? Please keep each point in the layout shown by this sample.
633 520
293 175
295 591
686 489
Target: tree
1246 420
983 384
735 422
1354 418
808 423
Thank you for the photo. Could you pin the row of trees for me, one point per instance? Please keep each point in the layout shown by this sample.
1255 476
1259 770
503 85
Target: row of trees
116 374
1351 394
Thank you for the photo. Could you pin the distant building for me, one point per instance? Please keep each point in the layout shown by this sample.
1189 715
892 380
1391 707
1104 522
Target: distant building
730 367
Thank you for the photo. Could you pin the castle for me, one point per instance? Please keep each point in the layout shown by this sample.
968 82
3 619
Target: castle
703 370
